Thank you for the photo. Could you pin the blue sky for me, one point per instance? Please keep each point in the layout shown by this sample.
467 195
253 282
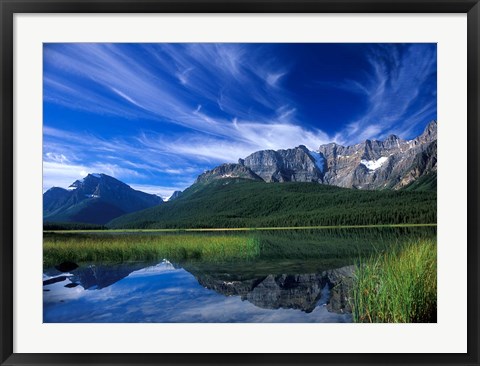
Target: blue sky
157 115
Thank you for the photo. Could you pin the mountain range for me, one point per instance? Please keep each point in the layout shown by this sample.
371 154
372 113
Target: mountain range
242 194
96 199
393 163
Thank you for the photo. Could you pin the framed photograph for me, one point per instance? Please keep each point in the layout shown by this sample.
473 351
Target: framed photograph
239 182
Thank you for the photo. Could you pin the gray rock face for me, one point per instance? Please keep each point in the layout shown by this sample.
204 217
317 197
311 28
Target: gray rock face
227 171
429 134
392 163
287 291
227 286
389 164
291 165
340 281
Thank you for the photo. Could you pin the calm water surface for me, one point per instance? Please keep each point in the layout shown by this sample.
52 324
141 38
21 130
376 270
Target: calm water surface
286 283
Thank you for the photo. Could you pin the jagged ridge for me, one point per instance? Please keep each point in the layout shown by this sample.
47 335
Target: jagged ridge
393 163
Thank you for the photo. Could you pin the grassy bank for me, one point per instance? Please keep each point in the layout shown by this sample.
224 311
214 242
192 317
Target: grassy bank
58 248
399 286
59 229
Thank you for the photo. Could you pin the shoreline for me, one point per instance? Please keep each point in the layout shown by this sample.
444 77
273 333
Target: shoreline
241 229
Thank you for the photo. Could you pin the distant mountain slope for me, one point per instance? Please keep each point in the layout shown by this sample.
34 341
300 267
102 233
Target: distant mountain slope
96 199
175 195
389 164
235 202
424 183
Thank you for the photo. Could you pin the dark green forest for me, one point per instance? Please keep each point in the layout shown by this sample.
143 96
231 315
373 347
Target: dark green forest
47 225
427 182
229 203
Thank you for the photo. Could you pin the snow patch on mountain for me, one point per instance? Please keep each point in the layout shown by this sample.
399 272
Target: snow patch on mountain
374 164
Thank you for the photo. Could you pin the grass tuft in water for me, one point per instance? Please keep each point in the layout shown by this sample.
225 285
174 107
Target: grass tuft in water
58 248
398 286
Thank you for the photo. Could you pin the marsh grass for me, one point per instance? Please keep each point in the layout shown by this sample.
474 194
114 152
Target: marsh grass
398 286
58 248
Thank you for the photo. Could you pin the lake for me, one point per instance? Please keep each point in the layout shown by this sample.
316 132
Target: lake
279 276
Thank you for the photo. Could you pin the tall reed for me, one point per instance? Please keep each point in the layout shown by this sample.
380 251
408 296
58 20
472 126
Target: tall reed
58 248
397 286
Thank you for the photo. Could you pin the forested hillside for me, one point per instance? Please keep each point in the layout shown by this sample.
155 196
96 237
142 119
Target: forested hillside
229 203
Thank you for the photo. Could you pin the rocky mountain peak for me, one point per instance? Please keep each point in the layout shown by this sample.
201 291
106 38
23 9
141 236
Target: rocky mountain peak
96 198
392 142
227 170
289 165
392 137
94 183
372 164
303 148
429 134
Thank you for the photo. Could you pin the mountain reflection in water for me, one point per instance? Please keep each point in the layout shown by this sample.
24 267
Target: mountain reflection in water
295 276
163 292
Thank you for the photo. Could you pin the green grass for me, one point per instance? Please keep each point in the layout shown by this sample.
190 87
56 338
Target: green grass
315 249
58 248
398 286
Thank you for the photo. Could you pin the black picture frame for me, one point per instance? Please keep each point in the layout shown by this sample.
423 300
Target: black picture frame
10 7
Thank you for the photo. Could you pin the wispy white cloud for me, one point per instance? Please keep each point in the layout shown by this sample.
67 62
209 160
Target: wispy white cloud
57 158
279 135
246 138
223 101
285 113
397 78
61 175
273 78
220 74
70 156
126 97
183 75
